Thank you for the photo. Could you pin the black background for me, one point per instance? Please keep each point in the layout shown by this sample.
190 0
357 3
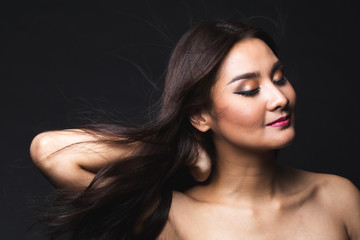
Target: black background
61 58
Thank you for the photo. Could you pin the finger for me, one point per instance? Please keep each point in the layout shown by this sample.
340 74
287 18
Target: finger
202 167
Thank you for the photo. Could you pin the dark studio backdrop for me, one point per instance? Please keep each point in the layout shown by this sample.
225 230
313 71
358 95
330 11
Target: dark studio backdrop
61 59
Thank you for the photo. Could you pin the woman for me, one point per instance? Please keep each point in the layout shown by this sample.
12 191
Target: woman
226 104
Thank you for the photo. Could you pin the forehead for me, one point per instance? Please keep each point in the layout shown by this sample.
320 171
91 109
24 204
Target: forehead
249 55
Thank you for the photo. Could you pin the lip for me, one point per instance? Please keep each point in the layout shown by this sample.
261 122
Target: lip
280 122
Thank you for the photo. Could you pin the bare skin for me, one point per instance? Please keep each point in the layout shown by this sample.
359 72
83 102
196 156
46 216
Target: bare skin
70 158
310 206
249 195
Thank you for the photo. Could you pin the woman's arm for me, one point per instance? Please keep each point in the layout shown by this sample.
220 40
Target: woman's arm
69 159
343 198
351 202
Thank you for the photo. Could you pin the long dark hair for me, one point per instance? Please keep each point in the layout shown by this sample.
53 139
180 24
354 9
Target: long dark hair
131 198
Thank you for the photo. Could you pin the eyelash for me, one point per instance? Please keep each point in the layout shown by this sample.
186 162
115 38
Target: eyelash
253 92
250 93
281 82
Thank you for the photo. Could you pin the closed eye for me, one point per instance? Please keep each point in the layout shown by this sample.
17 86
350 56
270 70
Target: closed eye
281 82
249 93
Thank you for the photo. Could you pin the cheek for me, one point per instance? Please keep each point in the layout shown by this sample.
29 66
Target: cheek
238 114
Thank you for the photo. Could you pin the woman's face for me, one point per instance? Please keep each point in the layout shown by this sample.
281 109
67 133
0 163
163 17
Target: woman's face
253 103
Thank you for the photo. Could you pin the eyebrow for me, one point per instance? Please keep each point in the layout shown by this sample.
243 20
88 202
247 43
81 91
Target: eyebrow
251 75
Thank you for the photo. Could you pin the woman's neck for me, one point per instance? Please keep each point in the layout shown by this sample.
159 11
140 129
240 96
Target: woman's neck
241 176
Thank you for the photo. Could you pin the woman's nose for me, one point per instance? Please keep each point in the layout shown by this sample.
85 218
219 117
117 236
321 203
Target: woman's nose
277 99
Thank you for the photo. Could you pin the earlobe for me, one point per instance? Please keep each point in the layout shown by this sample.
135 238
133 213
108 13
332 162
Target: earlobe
200 122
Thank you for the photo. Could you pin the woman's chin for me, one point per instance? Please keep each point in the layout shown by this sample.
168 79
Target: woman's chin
283 141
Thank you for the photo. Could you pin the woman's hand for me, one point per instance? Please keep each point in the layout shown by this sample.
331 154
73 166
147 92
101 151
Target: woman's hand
202 167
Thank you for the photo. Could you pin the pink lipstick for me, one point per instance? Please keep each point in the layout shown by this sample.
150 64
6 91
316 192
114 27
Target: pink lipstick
280 122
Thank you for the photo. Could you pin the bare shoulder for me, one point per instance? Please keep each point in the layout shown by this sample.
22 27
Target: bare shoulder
327 184
344 198
339 196
331 188
336 190
170 231
183 212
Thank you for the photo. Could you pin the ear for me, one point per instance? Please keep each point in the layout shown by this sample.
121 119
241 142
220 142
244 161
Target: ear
201 121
